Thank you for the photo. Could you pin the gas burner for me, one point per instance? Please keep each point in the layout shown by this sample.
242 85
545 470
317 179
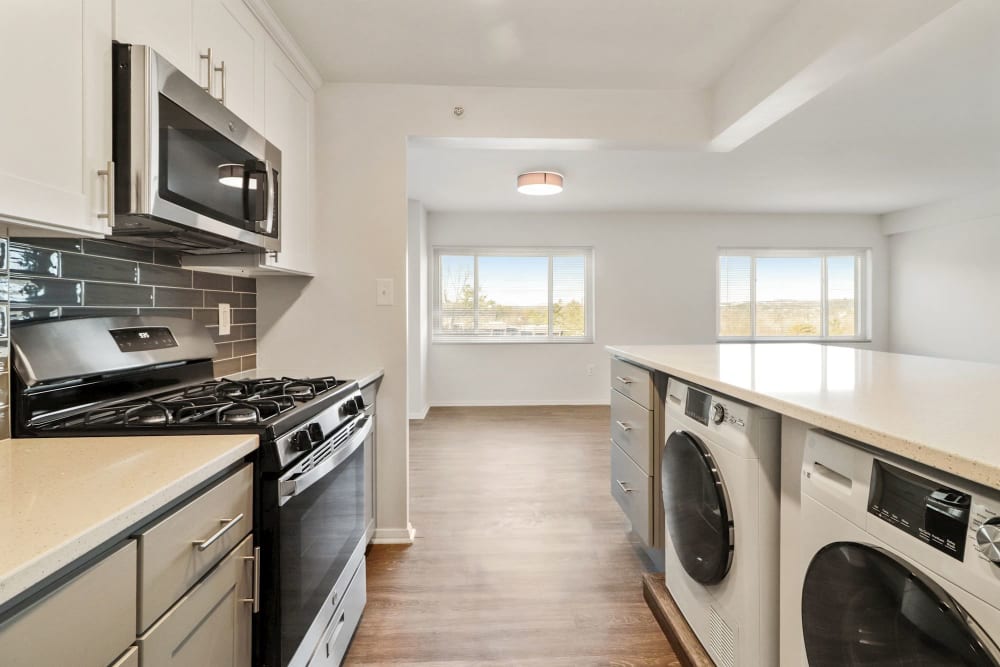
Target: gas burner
150 414
299 389
232 389
238 413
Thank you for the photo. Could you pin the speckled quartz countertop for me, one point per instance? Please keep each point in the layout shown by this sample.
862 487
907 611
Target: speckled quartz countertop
939 412
62 497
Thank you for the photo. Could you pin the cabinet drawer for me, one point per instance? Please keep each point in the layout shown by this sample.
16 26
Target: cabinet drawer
211 624
633 489
632 430
634 382
88 621
171 553
337 636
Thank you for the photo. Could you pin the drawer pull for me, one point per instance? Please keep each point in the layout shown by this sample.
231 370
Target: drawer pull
623 426
255 600
227 524
624 486
624 380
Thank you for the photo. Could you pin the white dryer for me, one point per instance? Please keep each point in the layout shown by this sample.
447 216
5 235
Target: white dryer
900 562
720 477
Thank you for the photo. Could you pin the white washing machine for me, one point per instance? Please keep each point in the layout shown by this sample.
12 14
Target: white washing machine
900 562
720 477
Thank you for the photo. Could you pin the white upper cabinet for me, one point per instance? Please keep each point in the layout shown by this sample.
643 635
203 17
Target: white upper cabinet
289 120
218 43
167 27
55 121
236 40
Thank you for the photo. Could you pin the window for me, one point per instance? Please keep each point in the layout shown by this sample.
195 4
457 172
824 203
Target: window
793 294
530 295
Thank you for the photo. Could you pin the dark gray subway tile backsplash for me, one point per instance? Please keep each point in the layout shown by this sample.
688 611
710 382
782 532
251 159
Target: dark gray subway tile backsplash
59 278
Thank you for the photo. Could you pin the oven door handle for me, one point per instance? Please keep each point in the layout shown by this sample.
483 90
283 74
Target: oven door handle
293 484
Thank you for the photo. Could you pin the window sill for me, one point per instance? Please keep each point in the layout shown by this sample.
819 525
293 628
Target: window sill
526 340
793 340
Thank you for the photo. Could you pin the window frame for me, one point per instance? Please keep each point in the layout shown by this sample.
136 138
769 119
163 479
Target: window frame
514 251
862 293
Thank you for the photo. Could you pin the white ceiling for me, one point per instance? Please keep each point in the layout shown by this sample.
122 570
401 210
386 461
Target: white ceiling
635 44
918 124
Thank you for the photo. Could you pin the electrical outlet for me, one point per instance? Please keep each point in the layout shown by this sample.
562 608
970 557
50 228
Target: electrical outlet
383 292
590 369
225 320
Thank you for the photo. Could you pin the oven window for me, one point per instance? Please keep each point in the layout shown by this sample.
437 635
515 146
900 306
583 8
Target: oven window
319 530
200 169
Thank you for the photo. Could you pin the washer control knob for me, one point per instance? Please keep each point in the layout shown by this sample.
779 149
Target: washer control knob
988 540
718 413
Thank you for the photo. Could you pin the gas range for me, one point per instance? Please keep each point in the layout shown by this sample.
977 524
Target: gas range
164 387
109 376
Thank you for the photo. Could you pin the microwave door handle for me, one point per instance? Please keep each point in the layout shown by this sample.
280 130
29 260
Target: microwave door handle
269 198
292 485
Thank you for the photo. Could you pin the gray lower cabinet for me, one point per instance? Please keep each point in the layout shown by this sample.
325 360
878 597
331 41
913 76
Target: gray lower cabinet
88 621
370 394
129 659
211 624
637 437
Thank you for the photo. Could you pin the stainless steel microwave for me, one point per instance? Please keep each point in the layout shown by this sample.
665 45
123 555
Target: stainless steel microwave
189 174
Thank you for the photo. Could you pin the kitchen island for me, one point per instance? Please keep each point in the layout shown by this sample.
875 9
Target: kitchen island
937 412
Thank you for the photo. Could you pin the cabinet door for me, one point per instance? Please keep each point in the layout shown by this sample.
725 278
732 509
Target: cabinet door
55 122
167 27
289 126
211 625
236 38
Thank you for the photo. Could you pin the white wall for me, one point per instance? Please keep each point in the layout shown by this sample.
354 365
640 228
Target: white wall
331 323
417 296
944 278
655 283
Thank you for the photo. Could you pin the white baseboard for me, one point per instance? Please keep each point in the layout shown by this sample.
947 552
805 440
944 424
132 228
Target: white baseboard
490 403
420 415
395 535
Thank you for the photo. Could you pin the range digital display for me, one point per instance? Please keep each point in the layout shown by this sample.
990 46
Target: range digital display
936 515
697 405
140 339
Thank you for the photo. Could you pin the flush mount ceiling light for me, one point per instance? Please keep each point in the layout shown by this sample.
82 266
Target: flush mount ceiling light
540 183
231 175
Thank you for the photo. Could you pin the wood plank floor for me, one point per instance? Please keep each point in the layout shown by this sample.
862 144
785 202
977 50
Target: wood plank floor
521 556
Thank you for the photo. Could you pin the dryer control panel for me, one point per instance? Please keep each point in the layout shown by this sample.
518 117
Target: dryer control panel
934 514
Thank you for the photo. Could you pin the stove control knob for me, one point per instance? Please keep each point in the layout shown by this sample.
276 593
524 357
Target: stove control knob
315 432
351 408
718 413
360 402
988 540
301 442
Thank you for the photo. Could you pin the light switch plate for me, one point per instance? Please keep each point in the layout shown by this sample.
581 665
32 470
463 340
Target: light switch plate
225 320
383 291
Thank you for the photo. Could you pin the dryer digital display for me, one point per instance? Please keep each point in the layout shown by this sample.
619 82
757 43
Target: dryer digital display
934 514
698 405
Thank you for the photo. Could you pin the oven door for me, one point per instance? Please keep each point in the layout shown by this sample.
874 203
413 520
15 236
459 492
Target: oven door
186 166
320 538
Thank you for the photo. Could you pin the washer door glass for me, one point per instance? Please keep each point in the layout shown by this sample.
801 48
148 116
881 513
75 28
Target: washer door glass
862 605
699 519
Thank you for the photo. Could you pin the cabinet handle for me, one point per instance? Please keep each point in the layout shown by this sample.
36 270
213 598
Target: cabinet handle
336 633
623 485
623 380
255 599
109 191
227 524
211 68
623 426
221 69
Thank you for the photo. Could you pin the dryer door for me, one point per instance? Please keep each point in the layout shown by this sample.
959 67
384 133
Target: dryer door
699 518
862 605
